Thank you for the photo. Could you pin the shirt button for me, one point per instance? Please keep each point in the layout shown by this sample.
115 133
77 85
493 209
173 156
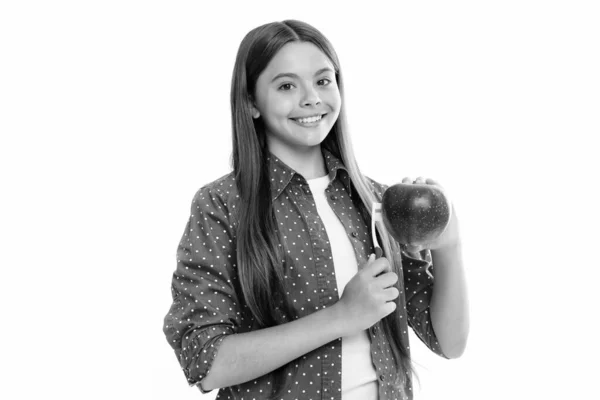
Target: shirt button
333 197
381 378
354 234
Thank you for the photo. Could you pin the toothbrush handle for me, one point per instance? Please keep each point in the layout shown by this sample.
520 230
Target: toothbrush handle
376 217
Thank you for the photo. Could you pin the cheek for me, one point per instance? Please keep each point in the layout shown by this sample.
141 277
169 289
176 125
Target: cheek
279 106
283 112
284 107
334 99
338 100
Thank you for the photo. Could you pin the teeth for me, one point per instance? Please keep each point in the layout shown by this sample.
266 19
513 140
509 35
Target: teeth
308 120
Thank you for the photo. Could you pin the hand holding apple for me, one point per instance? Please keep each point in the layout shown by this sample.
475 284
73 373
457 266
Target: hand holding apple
419 215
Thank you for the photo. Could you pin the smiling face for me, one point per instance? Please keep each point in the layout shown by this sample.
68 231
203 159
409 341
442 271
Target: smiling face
297 98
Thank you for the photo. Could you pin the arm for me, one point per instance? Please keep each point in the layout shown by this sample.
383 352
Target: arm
203 325
208 327
449 303
367 298
249 355
437 311
418 287
205 307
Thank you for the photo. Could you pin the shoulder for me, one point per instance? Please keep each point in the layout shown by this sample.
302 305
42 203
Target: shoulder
223 187
219 196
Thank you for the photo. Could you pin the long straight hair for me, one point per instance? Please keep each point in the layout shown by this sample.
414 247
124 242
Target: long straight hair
260 251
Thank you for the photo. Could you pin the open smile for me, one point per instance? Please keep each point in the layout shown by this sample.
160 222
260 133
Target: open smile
309 121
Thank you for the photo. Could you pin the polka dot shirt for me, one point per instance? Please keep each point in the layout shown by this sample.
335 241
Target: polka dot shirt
207 303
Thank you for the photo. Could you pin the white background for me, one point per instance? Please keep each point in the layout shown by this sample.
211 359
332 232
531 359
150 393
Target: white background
113 113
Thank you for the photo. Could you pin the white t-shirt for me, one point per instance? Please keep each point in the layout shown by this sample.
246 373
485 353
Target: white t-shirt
359 377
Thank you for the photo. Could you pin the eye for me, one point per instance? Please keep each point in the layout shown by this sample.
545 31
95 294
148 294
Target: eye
327 80
285 86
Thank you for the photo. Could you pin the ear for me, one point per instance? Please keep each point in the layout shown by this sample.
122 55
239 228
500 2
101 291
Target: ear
255 112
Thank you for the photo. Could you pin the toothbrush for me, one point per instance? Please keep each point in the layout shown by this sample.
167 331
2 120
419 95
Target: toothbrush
376 217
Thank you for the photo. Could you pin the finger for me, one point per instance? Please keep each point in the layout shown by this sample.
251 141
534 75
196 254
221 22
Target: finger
389 307
406 180
387 279
381 265
430 181
372 257
420 180
390 294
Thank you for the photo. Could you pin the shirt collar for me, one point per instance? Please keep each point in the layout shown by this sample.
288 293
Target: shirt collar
281 174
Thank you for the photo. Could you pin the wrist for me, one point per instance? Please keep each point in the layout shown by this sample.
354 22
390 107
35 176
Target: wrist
447 247
339 319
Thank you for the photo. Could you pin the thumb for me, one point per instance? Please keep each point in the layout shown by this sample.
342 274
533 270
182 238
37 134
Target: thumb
368 262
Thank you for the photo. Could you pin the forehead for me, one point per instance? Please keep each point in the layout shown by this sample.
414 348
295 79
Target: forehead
298 57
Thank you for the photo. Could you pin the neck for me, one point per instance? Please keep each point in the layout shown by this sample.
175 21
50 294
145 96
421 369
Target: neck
308 162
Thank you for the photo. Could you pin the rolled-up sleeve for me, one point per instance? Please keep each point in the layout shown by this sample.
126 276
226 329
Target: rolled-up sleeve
205 306
418 287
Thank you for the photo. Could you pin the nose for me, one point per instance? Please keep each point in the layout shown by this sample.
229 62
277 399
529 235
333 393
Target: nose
311 97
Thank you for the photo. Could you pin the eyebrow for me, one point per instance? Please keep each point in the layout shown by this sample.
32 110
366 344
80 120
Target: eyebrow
292 75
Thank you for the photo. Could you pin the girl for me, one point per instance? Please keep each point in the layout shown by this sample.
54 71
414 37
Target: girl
277 293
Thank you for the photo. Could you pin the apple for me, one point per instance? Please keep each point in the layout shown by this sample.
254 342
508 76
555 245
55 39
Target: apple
415 214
